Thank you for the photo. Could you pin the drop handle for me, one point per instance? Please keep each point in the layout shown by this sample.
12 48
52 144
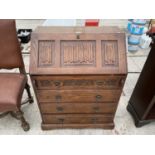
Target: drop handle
98 97
61 120
99 83
59 109
94 120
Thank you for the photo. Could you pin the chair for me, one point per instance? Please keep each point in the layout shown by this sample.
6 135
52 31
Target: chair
12 85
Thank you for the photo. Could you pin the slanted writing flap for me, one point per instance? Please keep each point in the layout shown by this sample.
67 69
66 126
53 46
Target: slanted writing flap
84 52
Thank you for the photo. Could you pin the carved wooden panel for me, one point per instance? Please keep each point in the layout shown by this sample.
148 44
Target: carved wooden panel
71 84
109 53
46 51
78 53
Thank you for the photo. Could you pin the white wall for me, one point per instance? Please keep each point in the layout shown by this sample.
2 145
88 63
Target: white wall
79 22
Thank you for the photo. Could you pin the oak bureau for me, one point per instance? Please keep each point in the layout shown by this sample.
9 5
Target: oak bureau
78 74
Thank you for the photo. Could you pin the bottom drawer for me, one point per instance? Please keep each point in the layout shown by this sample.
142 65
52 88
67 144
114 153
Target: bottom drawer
109 125
77 119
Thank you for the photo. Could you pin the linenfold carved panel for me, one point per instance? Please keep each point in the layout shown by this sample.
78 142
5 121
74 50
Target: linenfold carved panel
46 51
109 53
78 53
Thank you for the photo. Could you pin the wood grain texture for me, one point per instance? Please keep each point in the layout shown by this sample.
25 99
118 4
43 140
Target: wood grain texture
85 52
78 95
110 53
76 108
75 53
80 76
77 119
78 82
46 52
47 126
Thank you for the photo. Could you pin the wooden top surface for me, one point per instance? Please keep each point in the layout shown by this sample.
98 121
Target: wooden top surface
78 50
59 29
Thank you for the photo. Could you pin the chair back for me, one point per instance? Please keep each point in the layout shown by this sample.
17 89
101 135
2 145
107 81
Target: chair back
10 52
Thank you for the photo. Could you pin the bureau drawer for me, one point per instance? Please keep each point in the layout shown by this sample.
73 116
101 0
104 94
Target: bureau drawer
106 108
78 96
78 82
77 119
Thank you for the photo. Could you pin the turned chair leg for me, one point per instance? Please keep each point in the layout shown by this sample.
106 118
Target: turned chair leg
4 114
20 116
30 98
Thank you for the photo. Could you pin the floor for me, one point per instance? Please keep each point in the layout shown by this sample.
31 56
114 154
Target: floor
123 121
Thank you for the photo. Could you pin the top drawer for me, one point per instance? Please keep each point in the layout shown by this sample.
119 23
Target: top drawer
78 82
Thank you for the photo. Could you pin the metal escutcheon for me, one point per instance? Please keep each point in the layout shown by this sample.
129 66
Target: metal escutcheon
96 109
59 109
58 97
57 83
61 120
94 120
98 97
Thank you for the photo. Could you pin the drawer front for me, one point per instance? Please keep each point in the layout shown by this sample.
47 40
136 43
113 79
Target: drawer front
106 108
78 82
78 96
77 119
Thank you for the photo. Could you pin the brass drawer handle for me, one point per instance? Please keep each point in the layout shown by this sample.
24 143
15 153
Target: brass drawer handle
59 109
61 120
57 83
96 109
94 120
58 97
98 97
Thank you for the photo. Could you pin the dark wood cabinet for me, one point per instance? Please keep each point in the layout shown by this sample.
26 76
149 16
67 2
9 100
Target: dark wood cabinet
78 74
142 102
